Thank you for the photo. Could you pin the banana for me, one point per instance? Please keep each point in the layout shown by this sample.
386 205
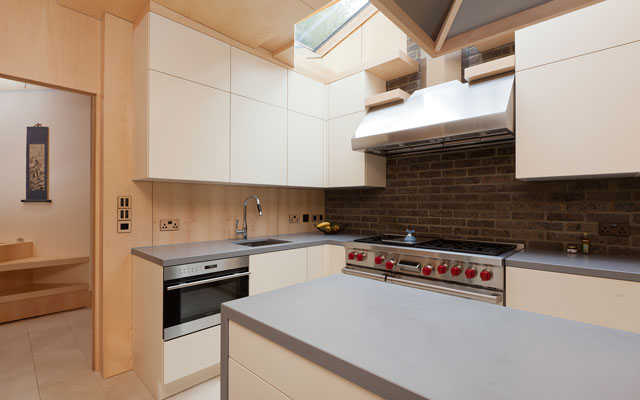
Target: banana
323 224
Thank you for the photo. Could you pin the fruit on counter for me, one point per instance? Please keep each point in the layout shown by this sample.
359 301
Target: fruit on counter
335 228
323 224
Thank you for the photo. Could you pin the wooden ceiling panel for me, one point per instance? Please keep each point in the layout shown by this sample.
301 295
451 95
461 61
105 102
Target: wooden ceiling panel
248 21
316 4
125 9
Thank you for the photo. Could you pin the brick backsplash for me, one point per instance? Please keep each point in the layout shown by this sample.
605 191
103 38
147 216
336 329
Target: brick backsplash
473 194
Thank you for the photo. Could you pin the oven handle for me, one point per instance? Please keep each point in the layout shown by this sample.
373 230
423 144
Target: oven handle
363 274
202 282
496 299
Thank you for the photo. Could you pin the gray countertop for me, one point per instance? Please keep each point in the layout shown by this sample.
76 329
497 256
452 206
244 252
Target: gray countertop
601 266
176 254
404 343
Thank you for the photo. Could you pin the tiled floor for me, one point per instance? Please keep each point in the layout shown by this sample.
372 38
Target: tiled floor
49 358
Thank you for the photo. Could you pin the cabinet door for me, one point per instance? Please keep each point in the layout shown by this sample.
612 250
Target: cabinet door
258 142
315 262
188 130
203 348
305 95
183 52
346 96
579 117
346 167
600 26
244 385
270 271
333 259
305 150
607 302
258 79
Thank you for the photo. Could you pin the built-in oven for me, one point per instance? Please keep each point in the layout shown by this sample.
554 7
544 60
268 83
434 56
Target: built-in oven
194 293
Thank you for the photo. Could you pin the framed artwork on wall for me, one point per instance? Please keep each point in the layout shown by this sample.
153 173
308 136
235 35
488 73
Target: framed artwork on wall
37 182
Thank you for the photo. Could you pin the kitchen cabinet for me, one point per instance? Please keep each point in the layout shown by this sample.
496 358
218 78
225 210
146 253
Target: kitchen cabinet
305 95
333 259
347 95
607 302
258 142
348 167
271 271
258 79
305 153
244 384
576 94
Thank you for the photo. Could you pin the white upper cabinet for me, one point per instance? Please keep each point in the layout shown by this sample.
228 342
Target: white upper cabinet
305 150
258 142
347 95
305 95
183 52
187 148
258 79
600 26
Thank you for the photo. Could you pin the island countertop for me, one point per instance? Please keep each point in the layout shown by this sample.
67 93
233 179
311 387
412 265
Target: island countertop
404 343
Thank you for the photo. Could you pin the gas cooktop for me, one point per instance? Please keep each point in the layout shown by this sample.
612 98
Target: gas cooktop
463 246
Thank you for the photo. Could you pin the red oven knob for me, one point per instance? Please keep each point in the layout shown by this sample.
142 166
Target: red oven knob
390 264
442 268
361 256
470 273
379 259
455 271
426 271
351 256
486 275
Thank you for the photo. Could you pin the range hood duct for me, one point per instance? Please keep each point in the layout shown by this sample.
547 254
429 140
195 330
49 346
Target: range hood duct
451 114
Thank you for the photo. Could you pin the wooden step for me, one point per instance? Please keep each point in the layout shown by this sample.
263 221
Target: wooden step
40 262
15 250
35 290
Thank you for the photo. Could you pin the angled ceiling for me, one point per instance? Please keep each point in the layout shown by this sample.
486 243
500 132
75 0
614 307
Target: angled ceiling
125 9
443 26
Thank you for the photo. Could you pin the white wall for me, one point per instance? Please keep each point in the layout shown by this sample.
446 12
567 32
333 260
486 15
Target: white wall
61 227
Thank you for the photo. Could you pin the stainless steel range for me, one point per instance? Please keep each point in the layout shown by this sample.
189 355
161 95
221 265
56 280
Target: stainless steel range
474 270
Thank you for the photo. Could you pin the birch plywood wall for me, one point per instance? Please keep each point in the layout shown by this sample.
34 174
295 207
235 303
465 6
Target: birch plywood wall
209 212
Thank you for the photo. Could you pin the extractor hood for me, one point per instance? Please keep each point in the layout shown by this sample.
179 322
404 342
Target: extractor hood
451 114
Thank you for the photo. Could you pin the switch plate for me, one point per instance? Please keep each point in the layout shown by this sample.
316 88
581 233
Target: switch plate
314 217
294 218
305 217
124 214
169 224
320 217
124 226
613 229
124 201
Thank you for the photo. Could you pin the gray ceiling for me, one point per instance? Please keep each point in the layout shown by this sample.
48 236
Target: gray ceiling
428 14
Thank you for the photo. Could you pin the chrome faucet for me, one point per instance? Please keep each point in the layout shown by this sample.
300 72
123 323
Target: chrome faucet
243 232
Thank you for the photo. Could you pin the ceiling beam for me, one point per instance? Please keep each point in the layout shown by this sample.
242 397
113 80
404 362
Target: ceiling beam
444 31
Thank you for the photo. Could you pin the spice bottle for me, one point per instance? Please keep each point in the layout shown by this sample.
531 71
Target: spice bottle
586 244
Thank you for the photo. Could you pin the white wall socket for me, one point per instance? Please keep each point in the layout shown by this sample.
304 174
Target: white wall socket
169 224
294 218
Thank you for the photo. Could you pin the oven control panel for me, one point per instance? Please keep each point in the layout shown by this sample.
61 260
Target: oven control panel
205 267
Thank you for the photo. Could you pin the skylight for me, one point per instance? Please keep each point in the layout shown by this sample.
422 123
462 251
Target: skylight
314 31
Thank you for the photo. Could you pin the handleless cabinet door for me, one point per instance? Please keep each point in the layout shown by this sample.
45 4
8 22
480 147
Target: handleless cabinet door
258 142
305 150
258 79
188 130
346 167
271 271
305 95
186 53
244 384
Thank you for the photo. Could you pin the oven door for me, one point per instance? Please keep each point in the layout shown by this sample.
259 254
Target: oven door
192 304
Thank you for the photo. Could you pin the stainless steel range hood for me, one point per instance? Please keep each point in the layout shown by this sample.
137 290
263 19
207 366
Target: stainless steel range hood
451 114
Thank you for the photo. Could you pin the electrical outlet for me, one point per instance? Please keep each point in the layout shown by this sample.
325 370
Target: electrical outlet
169 224
124 201
314 217
124 214
124 226
613 229
305 217
294 218
320 217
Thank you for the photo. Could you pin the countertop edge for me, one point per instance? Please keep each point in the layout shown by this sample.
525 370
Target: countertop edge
363 378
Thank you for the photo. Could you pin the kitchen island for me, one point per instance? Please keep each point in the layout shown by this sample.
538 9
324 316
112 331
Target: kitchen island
349 337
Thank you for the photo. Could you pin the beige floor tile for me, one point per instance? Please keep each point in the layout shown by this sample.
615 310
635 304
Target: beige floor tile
46 322
209 390
85 340
79 320
125 386
80 386
59 365
23 387
52 340
13 334
15 362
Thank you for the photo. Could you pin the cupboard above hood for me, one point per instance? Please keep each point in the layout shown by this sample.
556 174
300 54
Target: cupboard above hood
451 114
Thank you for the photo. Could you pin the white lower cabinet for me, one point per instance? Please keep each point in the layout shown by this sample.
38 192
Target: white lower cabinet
271 271
244 384
333 259
607 302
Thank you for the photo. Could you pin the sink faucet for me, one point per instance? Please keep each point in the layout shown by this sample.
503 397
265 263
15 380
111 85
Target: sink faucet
243 232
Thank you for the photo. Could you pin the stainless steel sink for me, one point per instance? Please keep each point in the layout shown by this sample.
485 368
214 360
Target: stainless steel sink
262 242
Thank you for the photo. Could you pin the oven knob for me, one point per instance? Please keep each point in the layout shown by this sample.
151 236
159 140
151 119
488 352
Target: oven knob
486 275
455 271
427 270
361 256
442 268
379 259
351 256
390 264
470 273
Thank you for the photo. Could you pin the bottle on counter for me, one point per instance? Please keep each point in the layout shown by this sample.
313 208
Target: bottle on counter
572 249
586 244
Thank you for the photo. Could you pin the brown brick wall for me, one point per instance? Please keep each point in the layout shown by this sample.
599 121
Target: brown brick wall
473 194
